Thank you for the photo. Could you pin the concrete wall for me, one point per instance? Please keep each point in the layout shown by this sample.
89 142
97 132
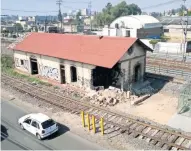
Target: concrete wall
49 68
128 63
165 47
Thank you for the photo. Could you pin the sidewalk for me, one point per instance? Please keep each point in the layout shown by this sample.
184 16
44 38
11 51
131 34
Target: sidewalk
179 121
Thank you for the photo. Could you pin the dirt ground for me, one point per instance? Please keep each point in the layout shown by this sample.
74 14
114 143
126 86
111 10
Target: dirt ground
159 108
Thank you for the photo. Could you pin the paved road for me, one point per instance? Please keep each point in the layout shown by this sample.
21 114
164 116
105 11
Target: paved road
13 138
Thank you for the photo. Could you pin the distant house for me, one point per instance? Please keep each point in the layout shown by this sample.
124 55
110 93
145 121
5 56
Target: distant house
173 28
88 61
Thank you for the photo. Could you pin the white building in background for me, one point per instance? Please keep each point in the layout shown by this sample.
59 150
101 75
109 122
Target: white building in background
22 18
84 12
31 18
137 26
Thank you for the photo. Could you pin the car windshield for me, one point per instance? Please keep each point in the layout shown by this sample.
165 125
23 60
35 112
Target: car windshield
47 123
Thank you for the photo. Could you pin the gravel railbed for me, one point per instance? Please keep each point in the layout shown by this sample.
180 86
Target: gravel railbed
172 88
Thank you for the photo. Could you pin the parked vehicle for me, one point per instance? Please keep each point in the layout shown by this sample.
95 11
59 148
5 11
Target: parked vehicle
38 124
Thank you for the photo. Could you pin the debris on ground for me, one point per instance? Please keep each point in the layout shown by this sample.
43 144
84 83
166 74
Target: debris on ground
108 97
140 99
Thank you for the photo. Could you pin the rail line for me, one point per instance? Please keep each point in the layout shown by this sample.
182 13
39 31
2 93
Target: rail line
169 63
158 136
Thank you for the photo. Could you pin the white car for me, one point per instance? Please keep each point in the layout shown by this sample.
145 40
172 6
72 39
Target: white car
38 124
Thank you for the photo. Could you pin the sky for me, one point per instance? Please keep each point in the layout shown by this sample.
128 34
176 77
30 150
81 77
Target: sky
49 7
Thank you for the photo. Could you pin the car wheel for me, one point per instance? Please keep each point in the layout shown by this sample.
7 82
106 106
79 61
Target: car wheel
21 125
38 136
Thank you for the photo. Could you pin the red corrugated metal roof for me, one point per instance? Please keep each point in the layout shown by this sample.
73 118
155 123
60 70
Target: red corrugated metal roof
104 52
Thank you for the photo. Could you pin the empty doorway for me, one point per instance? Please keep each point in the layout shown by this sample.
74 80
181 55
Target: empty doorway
62 74
137 73
34 66
73 74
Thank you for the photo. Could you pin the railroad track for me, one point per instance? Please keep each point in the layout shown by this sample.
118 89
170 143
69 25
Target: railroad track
164 138
169 64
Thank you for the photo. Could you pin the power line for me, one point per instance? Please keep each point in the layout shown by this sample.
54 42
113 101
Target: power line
161 4
89 7
59 2
86 2
27 10
37 11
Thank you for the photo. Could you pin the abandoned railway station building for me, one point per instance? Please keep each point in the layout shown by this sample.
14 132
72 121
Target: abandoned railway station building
87 61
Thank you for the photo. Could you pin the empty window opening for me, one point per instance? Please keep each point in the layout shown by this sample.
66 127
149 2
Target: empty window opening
166 30
73 74
137 73
117 25
22 62
62 73
34 66
127 33
106 77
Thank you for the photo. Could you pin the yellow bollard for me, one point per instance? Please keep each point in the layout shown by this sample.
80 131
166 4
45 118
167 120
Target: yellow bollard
88 120
93 124
83 120
102 126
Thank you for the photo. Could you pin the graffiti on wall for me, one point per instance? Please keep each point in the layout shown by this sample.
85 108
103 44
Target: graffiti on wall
49 72
85 82
25 64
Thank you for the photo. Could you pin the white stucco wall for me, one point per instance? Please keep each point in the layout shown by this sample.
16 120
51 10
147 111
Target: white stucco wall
128 63
121 32
49 67
84 72
18 56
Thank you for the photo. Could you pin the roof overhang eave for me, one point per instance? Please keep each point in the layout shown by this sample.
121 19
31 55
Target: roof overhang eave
145 46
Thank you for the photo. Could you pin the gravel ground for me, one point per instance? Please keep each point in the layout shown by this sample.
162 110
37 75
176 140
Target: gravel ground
164 87
109 141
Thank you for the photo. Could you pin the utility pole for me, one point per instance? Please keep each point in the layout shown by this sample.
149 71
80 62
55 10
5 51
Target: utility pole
59 2
184 28
45 25
90 14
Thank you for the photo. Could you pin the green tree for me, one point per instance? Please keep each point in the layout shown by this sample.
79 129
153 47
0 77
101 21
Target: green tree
189 13
78 19
18 27
110 13
173 11
153 42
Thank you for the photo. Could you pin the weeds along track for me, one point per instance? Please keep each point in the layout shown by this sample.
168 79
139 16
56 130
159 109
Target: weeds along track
161 137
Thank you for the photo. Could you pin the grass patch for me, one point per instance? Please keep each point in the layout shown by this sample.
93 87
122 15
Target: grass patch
56 87
7 68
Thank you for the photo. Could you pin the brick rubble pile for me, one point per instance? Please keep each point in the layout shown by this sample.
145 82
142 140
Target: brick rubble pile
110 96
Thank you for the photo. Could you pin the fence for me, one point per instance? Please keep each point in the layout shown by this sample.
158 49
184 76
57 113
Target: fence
168 56
177 73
